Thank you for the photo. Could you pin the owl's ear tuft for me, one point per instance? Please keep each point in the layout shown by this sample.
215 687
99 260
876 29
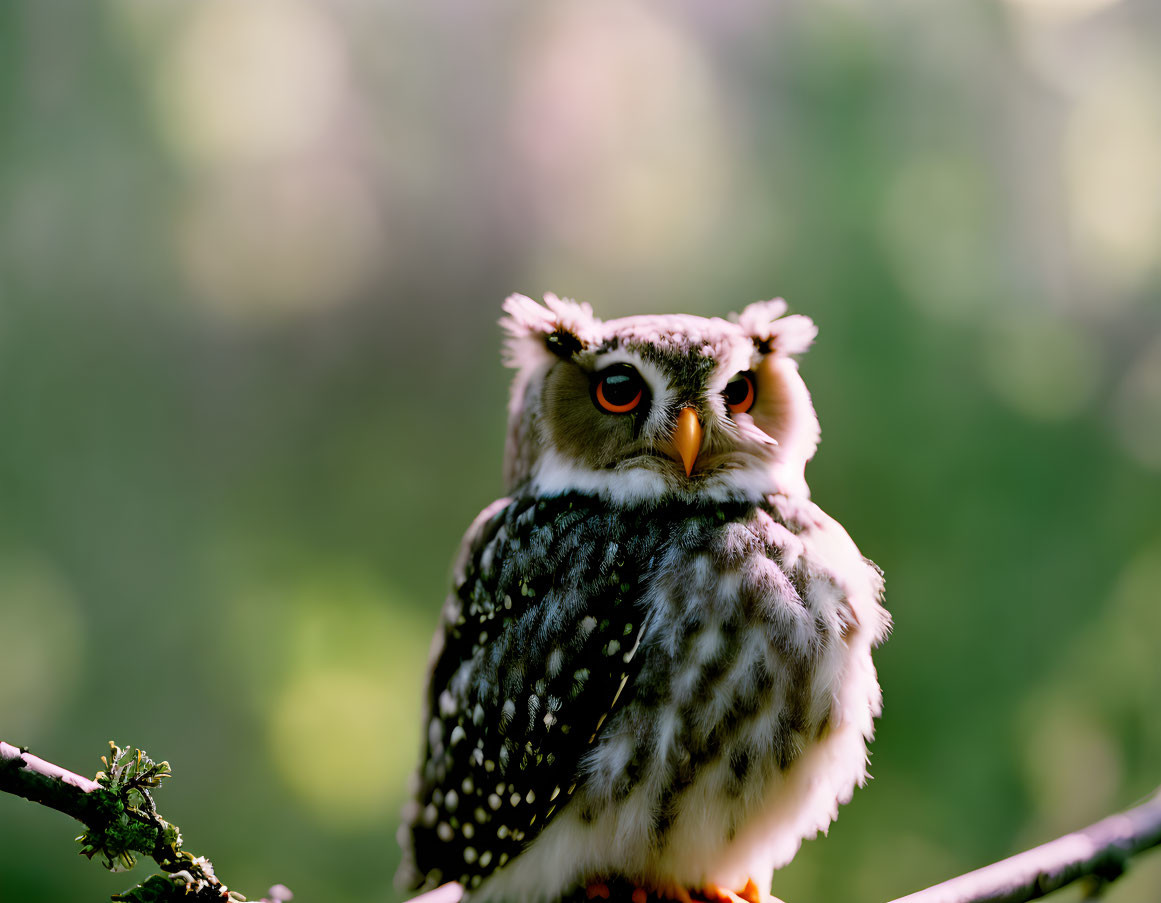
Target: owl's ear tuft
764 322
559 326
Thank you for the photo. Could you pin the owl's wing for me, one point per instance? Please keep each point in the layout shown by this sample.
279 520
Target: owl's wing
538 642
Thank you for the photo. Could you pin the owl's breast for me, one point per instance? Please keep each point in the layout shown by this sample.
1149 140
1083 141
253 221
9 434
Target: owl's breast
725 690
733 670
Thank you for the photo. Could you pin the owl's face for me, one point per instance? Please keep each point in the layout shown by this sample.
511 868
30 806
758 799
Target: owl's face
652 408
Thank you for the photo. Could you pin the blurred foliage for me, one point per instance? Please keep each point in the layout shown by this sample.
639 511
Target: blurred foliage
251 258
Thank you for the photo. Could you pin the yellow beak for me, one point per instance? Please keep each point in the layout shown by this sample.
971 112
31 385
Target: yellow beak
687 438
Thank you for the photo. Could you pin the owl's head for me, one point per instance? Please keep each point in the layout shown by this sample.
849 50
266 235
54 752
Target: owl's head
655 408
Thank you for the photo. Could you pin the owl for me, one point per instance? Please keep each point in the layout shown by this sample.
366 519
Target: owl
654 668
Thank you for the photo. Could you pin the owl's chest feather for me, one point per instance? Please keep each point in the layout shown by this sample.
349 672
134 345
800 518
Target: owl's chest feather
631 691
735 666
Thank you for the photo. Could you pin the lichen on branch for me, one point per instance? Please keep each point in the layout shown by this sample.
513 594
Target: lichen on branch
121 821
133 825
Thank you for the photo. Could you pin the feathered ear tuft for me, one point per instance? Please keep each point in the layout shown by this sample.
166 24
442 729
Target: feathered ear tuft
764 322
559 326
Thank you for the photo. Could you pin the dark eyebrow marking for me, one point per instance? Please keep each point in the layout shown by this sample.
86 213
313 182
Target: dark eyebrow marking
563 343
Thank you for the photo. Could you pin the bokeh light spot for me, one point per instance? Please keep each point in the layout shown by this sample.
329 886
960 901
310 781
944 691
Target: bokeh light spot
1113 171
254 79
1044 368
335 662
337 742
292 240
41 642
622 132
1059 12
934 230
1138 408
1128 631
1072 767
1076 761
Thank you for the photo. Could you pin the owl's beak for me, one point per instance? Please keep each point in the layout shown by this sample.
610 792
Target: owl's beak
687 438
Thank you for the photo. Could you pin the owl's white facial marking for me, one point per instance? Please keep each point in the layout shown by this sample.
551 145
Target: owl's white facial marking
754 415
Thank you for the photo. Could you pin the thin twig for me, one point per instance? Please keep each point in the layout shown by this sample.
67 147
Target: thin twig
50 785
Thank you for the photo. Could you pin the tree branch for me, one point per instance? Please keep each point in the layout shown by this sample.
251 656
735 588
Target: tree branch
121 819
50 785
1101 850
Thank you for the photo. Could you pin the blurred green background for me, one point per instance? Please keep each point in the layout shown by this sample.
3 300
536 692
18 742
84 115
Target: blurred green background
251 259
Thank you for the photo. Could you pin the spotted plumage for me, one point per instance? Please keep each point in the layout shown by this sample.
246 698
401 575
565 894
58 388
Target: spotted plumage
655 663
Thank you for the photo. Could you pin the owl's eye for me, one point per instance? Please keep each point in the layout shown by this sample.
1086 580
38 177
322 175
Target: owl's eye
618 389
739 393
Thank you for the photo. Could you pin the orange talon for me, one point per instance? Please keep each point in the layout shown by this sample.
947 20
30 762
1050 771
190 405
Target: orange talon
750 892
715 893
639 895
599 889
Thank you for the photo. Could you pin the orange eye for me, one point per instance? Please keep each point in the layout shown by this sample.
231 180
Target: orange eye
619 389
739 393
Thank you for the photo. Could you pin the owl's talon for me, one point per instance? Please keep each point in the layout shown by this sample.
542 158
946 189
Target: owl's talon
715 893
597 889
639 895
750 892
